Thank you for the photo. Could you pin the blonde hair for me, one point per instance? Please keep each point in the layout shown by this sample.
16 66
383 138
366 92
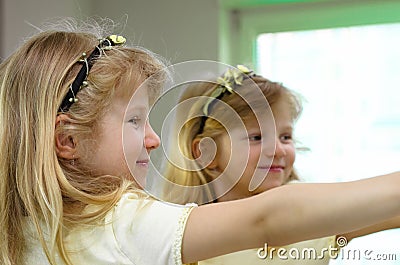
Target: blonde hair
35 183
212 127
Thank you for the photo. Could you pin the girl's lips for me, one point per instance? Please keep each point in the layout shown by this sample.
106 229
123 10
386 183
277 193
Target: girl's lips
273 168
143 163
276 169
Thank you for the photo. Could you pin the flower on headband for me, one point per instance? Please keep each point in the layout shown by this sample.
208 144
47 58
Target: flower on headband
117 39
231 78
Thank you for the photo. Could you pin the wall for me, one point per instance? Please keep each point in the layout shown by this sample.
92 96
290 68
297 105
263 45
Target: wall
179 30
21 16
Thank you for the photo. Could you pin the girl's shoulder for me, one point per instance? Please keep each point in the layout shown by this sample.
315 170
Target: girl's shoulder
140 201
138 230
157 225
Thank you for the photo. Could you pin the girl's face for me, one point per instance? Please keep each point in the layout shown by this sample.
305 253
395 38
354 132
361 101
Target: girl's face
125 139
271 169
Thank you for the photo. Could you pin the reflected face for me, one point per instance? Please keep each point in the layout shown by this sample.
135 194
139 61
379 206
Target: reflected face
125 139
269 159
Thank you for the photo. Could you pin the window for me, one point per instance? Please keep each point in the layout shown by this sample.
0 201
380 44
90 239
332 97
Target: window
351 121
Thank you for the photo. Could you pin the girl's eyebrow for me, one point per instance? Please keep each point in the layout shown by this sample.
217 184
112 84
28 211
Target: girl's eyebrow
137 107
253 129
287 127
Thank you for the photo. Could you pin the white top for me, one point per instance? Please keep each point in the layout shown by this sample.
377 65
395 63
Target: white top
137 231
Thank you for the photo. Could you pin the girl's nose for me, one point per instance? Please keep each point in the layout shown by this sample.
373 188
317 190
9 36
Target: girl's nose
279 149
151 139
274 148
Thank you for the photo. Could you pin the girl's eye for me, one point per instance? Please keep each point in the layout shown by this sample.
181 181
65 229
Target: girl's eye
255 138
286 137
135 121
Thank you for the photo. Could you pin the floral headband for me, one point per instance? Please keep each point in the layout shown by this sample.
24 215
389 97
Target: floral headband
81 79
232 77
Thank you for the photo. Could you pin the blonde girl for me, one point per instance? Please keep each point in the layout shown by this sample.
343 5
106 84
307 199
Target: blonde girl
208 118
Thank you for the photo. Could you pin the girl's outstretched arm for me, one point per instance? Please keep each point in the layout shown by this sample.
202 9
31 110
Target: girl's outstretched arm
288 214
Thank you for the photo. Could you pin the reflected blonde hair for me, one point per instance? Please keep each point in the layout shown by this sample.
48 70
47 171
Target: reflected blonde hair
249 96
35 184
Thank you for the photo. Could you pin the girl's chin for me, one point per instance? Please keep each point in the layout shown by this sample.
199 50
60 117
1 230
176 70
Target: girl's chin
139 176
268 185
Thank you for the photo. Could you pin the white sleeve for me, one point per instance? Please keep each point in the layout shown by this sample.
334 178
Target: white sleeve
150 231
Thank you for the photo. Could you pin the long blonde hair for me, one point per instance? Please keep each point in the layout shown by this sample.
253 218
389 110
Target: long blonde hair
212 127
36 184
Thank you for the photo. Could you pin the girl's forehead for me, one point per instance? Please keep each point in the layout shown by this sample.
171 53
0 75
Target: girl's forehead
139 97
131 87
282 107
125 88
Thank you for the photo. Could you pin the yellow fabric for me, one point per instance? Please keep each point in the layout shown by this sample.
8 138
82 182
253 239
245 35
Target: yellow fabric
136 232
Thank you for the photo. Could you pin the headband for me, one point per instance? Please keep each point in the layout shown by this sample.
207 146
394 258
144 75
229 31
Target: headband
80 80
232 77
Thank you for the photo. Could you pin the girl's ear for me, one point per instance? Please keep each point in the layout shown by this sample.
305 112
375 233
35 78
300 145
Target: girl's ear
204 151
65 145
